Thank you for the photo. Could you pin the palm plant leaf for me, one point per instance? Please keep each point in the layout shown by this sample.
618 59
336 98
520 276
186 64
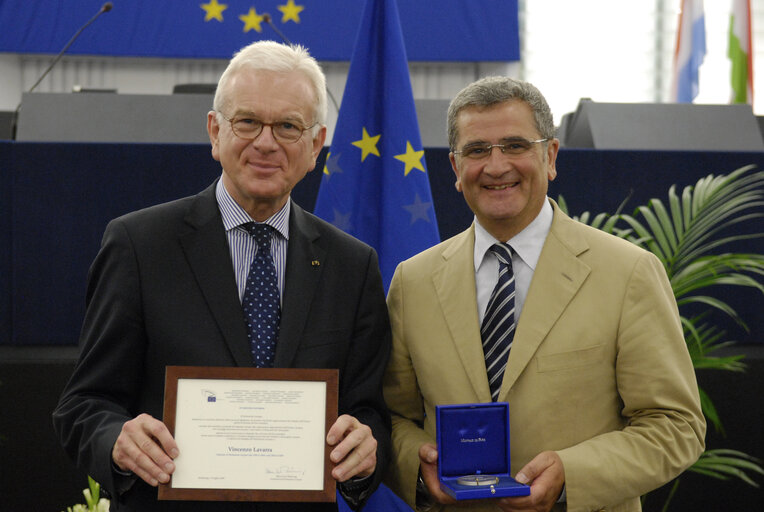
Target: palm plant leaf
727 363
676 212
563 204
725 198
716 304
724 463
646 238
703 340
715 204
602 221
685 236
599 221
709 411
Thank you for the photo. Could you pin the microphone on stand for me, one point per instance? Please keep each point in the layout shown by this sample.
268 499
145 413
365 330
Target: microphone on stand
104 8
268 20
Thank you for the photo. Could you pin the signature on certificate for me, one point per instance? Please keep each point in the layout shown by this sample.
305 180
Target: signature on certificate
289 472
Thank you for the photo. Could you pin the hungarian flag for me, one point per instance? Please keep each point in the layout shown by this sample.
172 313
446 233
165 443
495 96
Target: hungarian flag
740 52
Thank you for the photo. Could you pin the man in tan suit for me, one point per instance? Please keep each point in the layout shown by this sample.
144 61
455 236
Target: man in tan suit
604 404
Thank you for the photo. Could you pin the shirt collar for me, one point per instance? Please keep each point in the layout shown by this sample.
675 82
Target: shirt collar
234 215
527 244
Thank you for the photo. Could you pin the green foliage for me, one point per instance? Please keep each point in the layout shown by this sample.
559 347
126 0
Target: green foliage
93 500
602 221
688 236
723 464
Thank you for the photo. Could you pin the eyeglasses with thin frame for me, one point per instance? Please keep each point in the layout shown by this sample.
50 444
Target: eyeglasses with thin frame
514 146
250 128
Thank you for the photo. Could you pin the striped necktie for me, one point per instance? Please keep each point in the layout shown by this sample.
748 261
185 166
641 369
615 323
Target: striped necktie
498 327
261 303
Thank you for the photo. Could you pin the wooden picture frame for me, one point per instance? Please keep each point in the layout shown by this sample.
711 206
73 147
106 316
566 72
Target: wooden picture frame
229 378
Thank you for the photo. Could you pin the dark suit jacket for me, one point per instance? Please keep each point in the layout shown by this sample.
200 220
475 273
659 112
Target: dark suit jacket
162 292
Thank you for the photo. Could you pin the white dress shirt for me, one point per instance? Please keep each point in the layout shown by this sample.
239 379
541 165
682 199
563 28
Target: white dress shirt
526 247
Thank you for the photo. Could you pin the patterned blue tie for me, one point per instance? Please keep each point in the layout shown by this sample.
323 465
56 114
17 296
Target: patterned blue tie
498 327
261 299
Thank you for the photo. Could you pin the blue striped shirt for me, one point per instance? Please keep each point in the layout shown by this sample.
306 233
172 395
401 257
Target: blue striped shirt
243 247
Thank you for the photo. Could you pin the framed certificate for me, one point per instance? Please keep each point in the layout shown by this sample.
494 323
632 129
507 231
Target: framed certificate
250 434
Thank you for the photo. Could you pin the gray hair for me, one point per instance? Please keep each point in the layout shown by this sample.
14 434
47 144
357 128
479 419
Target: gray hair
272 56
498 89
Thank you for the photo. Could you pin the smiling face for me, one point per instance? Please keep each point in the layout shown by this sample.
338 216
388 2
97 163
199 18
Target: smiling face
506 192
260 174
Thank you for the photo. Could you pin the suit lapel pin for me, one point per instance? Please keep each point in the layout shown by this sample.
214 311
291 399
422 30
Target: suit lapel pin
315 263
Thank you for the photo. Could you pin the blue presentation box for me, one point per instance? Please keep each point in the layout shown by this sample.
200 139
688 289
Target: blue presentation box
473 451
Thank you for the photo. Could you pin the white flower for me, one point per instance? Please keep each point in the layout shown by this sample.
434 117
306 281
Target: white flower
91 495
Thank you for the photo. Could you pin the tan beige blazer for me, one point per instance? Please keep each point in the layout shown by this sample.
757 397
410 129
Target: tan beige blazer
598 371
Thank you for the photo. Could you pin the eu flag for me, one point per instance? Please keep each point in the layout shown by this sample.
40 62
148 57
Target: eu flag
435 30
375 185
383 500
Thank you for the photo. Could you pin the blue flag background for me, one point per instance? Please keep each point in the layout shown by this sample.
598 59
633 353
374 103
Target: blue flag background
383 500
375 183
434 30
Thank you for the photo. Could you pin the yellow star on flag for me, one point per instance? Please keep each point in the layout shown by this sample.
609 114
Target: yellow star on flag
368 145
412 159
252 20
291 11
214 10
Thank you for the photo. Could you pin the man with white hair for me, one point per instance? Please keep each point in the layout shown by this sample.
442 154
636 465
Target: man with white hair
178 284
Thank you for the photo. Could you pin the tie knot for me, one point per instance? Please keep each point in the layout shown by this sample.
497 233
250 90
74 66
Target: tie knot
261 233
503 252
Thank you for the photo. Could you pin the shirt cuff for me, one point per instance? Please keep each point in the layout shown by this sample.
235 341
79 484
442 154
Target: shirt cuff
563 496
123 480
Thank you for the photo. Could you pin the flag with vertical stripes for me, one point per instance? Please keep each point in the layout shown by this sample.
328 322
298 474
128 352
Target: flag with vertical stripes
690 50
740 52
375 184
